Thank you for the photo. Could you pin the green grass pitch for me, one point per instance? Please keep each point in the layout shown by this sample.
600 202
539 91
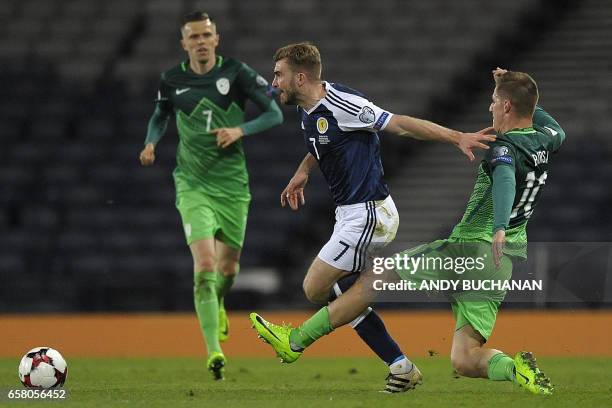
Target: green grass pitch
310 382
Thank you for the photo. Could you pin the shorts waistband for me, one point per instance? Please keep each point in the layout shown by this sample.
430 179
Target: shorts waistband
363 205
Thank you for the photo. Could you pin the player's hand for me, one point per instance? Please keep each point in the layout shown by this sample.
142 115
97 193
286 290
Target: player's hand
499 241
227 136
147 156
294 192
489 130
470 141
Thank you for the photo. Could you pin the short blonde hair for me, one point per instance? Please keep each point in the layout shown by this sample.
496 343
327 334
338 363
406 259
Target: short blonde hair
304 56
520 89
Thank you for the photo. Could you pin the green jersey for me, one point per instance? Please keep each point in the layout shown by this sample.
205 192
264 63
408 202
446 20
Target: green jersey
527 153
204 102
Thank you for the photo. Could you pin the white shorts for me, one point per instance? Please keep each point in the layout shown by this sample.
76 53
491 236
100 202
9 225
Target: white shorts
360 230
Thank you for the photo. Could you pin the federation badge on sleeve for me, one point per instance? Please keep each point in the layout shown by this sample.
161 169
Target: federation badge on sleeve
500 154
223 86
500 151
367 115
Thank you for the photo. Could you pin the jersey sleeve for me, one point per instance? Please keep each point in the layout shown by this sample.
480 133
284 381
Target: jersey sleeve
503 191
543 119
163 101
255 87
499 153
354 112
158 123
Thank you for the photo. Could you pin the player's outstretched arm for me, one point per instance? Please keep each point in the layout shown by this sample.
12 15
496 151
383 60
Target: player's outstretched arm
408 126
294 192
156 129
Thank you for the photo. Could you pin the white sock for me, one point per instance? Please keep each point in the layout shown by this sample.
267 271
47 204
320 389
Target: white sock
401 366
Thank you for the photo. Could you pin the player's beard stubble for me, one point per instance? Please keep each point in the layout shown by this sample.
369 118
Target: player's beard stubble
289 97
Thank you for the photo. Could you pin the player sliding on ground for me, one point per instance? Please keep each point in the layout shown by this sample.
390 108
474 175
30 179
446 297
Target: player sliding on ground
340 131
207 94
507 188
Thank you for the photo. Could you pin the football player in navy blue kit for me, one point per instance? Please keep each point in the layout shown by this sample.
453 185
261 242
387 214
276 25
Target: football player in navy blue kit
340 128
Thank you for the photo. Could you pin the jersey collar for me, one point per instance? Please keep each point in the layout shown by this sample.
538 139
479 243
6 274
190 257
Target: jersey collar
522 131
316 105
185 66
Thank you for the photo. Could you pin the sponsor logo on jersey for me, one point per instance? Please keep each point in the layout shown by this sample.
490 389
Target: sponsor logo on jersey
322 125
223 86
187 230
552 131
182 91
261 81
381 120
367 115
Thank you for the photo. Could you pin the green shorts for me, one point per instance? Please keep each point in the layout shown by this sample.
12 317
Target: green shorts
448 260
205 216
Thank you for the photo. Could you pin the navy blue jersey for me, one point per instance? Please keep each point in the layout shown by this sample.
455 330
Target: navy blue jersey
340 132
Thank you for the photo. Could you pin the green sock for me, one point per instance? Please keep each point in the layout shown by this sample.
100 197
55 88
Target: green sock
312 329
224 283
207 308
501 368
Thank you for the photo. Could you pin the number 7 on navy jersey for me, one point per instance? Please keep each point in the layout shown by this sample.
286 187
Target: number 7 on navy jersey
314 145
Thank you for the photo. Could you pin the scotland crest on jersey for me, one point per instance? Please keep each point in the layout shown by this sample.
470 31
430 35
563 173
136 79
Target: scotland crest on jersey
340 131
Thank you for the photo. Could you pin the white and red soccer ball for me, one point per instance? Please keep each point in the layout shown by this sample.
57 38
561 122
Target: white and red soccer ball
43 367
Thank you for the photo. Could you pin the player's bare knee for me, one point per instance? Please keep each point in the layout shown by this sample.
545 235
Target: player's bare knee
314 294
204 265
227 268
458 365
464 365
317 298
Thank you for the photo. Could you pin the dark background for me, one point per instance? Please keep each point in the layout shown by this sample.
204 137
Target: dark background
84 228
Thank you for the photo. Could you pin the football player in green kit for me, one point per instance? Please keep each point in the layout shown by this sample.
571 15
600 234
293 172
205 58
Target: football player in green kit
508 186
207 94
493 229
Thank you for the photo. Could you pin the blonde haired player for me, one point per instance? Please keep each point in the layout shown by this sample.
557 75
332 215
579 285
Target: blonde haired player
340 127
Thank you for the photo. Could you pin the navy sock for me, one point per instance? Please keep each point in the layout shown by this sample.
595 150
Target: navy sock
371 329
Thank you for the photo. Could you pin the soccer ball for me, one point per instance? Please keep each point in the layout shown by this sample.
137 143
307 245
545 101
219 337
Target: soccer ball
43 367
